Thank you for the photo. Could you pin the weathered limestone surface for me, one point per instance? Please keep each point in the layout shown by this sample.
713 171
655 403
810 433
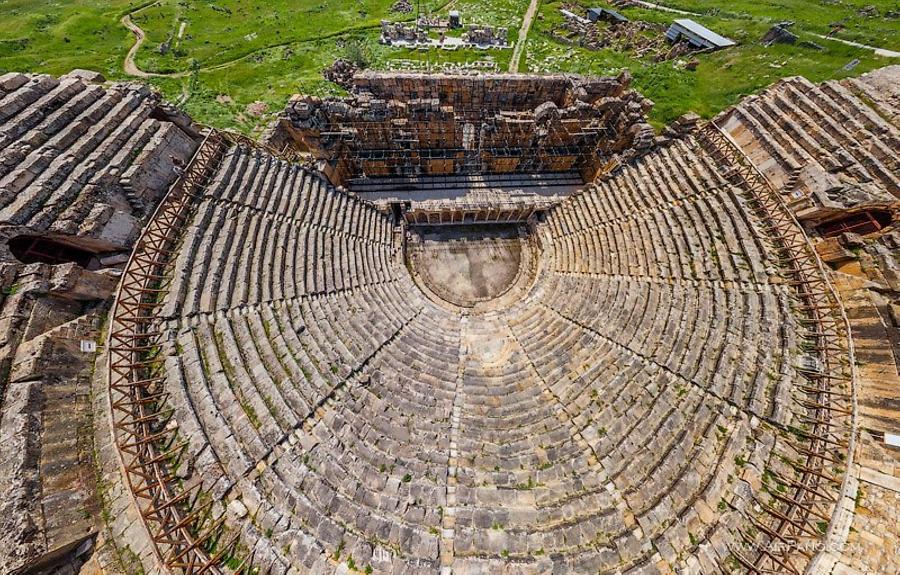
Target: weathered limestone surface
83 161
48 504
81 167
424 124
625 414
607 419
622 408
882 88
471 266
827 147
832 150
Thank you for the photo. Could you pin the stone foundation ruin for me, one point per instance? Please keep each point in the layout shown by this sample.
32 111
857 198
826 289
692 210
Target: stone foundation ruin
418 35
552 342
624 36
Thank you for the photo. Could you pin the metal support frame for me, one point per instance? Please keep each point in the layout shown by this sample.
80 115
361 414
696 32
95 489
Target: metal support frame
862 222
288 154
515 141
181 530
790 534
41 248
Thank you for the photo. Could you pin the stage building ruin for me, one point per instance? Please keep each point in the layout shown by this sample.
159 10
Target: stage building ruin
418 133
424 125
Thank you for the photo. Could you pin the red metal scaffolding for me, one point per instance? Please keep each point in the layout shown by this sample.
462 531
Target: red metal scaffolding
182 530
798 524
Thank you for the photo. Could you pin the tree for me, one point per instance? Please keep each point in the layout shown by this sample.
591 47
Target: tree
357 52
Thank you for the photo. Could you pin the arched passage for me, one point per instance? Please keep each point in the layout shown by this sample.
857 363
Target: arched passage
37 249
862 223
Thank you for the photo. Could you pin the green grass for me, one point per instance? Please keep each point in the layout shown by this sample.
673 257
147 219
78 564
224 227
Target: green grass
225 31
722 78
234 53
811 16
55 37
244 65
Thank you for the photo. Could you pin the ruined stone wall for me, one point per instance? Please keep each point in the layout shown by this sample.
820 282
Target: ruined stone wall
420 124
508 92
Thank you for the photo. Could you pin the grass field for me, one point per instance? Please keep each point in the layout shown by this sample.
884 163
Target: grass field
53 36
880 28
234 53
723 77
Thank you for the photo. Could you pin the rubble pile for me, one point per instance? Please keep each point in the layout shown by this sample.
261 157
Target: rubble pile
486 35
637 38
682 126
417 35
779 34
402 7
394 32
341 73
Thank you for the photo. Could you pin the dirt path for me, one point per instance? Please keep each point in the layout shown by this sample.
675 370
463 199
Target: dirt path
878 51
523 36
130 67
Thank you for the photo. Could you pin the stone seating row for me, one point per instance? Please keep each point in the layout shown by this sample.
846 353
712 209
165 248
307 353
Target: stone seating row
253 407
644 413
72 155
495 518
323 449
707 235
608 408
523 482
243 250
697 240
733 341
799 124
288 191
664 360
271 367
661 177
670 449
47 491
847 109
613 281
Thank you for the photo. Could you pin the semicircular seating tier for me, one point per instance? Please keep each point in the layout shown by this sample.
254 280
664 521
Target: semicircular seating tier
619 417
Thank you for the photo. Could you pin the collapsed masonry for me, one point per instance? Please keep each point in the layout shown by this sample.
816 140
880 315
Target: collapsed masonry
81 171
830 148
479 35
406 124
416 127
637 38
417 36
341 72
402 34
779 33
